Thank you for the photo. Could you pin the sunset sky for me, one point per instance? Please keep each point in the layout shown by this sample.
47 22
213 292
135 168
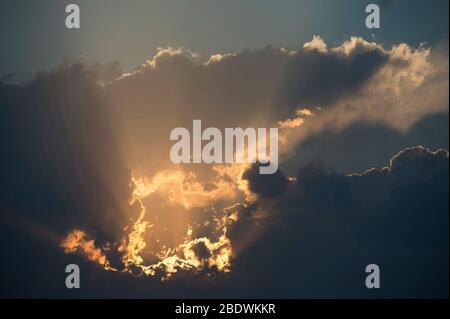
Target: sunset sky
85 119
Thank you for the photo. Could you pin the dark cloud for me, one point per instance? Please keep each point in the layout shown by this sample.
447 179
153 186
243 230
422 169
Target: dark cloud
273 185
318 185
330 75
332 225
60 169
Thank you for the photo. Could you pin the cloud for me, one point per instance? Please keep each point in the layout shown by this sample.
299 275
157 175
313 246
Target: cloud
357 81
61 156
77 240
410 87
329 226
61 169
88 166
317 184
342 149
266 185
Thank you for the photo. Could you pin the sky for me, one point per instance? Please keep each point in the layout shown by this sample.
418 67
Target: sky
87 178
34 38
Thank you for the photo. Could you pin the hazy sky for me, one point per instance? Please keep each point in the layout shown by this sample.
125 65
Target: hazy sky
33 35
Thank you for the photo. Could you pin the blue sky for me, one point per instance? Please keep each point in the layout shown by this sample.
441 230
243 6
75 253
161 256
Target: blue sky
33 35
